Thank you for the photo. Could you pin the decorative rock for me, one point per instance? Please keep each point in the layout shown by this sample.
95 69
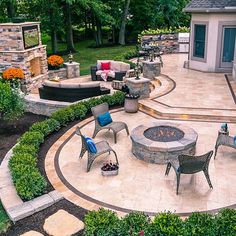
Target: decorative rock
62 223
32 233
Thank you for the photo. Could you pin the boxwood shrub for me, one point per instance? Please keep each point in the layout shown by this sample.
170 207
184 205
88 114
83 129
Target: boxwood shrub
28 181
106 223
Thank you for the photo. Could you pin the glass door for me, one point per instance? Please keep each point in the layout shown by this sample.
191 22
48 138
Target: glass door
228 45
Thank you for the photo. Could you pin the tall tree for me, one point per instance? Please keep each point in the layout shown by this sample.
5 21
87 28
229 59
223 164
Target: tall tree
123 23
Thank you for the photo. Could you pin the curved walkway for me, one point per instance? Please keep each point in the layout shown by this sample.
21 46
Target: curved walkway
141 186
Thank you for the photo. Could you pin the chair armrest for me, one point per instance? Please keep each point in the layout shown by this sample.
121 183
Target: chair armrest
119 75
93 72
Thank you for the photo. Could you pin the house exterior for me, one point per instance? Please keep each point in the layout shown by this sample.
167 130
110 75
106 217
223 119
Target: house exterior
213 32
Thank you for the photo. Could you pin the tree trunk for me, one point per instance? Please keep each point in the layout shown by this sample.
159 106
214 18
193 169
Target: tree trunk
123 23
10 9
69 32
54 41
94 30
99 33
113 34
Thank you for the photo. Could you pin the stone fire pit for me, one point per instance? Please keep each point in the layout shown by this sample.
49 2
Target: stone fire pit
162 141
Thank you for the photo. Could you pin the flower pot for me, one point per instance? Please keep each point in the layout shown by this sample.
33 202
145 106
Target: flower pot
131 105
110 172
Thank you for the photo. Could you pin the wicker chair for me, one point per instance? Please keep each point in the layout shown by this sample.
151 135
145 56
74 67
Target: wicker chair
102 147
186 164
114 126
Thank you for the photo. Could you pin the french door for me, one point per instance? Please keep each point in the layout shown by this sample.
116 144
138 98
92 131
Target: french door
228 46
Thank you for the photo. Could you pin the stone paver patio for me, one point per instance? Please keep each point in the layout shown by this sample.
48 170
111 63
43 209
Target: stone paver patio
139 185
183 95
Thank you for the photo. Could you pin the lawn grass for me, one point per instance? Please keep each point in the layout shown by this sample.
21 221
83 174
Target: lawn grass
88 56
4 220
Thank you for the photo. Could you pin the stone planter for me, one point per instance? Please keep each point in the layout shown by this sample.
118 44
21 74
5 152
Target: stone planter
110 172
131 105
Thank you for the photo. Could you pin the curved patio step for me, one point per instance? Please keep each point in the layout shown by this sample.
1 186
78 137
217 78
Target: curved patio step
166 112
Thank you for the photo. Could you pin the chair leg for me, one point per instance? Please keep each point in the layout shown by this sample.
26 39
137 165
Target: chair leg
178 181
127 130
82 152
90 162
95 132
216 149
168 168
208 178
115 156
115 138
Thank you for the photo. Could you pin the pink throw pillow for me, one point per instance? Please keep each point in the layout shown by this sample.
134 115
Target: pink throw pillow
105 65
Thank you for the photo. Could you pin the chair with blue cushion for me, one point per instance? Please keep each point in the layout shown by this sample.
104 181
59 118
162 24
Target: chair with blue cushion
94 149
103 121
186 164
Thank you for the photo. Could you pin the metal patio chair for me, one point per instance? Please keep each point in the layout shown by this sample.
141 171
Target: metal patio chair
186 164
114 126
102 147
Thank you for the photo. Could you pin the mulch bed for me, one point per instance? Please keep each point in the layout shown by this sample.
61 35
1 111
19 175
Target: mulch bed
9 133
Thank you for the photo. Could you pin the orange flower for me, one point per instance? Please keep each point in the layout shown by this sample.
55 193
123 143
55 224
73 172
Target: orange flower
13 73
55 60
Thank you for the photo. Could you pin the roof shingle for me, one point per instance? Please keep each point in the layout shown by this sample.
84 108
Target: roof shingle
210 5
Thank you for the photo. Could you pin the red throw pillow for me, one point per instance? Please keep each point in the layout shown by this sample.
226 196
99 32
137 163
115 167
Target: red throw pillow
105 65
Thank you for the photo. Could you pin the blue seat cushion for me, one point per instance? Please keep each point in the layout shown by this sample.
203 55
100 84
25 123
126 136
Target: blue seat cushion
104 119
91 145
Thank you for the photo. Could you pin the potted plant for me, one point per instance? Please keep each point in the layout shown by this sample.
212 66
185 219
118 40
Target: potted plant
55 62
109 169
131 103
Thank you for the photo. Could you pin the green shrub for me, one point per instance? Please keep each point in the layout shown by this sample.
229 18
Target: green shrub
11 102
24 148
45 127
91 103
226 222
99 222
119 97
200 224
29 183
22 158
64 116
79 110
166 224
135 222
32 138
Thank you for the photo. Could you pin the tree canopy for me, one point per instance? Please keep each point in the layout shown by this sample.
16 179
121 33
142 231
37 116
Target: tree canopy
119 21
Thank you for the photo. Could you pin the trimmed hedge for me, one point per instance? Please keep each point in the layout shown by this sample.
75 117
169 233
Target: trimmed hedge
106 223
26 177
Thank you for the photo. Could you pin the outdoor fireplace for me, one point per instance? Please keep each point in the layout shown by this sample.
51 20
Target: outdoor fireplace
162 141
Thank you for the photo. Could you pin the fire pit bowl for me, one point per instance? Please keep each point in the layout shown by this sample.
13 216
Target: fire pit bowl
162 141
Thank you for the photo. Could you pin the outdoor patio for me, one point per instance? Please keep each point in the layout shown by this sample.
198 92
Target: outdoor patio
142 186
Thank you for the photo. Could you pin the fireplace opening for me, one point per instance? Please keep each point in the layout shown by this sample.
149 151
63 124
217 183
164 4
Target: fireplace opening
164 134
35 67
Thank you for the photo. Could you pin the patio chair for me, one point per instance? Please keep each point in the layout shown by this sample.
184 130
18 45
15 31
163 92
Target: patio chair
102 147
186 164
114 125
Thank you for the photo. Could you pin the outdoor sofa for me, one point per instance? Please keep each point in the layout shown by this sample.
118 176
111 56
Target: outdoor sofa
115 71
71 92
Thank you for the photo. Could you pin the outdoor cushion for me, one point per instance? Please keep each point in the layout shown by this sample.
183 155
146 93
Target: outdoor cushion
100 61
124 66
52 83
115 65
111 74
91 145
104 119
105 65
98 72
71 85
89 84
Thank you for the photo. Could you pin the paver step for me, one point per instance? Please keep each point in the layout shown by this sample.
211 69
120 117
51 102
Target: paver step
163 111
